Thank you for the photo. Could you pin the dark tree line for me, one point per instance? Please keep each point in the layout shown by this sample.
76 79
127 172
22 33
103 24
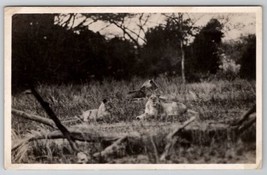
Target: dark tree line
44 52
248 58
48 53
205 47
243 52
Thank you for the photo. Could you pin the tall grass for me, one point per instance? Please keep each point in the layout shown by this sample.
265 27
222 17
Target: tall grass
214 100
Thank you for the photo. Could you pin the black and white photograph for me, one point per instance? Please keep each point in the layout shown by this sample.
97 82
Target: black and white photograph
133 87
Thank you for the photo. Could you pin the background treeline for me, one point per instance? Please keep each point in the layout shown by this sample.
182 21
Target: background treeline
45 52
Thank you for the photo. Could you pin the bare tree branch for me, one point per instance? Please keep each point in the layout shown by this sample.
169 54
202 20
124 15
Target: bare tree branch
66 23
172 139
246 125
73 20
137 35
32 117
127 33
245 116
57 122
118 145
104 27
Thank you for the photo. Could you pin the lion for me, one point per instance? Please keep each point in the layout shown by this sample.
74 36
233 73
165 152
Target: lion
148 87
102 113
157 107
82 158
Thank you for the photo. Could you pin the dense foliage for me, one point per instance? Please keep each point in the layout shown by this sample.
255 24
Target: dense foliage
206 47
48 53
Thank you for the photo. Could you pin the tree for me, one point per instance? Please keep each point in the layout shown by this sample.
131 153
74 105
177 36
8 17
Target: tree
120 58
180 26
45 52
248 59
119 20
160 54
233 49
131 40
206 48
181 29
29 47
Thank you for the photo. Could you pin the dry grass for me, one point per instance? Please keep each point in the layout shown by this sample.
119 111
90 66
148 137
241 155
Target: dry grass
222 101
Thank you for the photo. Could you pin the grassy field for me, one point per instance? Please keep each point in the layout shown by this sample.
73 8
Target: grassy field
218 101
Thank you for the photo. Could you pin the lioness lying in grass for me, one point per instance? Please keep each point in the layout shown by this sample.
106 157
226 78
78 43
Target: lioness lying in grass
157 107
102 113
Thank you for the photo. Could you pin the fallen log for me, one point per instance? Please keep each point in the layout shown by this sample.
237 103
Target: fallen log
172 138
42 120
55 119
33 117
138 142
115 143
92 133
85 136
245 116
119 146
246 125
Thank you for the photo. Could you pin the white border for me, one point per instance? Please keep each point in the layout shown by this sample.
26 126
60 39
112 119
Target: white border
9 11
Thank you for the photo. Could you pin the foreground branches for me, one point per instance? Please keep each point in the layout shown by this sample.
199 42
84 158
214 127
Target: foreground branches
55 119
114 144
173 137
33 117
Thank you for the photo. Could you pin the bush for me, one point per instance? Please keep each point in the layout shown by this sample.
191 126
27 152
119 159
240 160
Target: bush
228 70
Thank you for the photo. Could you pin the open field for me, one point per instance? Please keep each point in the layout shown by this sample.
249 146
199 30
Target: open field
218 101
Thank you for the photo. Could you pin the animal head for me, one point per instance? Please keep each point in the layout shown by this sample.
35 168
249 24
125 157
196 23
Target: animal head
82 158
154 99
141 117
107 104
149 85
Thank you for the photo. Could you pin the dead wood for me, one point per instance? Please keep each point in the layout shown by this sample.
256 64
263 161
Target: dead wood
88 135
57 122
245 116
246 125
85 136
42 120
135 143
33 117
119 146
172 138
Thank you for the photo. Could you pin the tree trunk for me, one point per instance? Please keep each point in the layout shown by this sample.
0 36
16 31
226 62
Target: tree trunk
180 17
182 62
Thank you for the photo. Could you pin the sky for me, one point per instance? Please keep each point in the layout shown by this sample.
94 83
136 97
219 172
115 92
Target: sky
235 24
242 23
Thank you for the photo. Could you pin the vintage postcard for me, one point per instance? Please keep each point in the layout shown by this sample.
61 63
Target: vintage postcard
133 87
